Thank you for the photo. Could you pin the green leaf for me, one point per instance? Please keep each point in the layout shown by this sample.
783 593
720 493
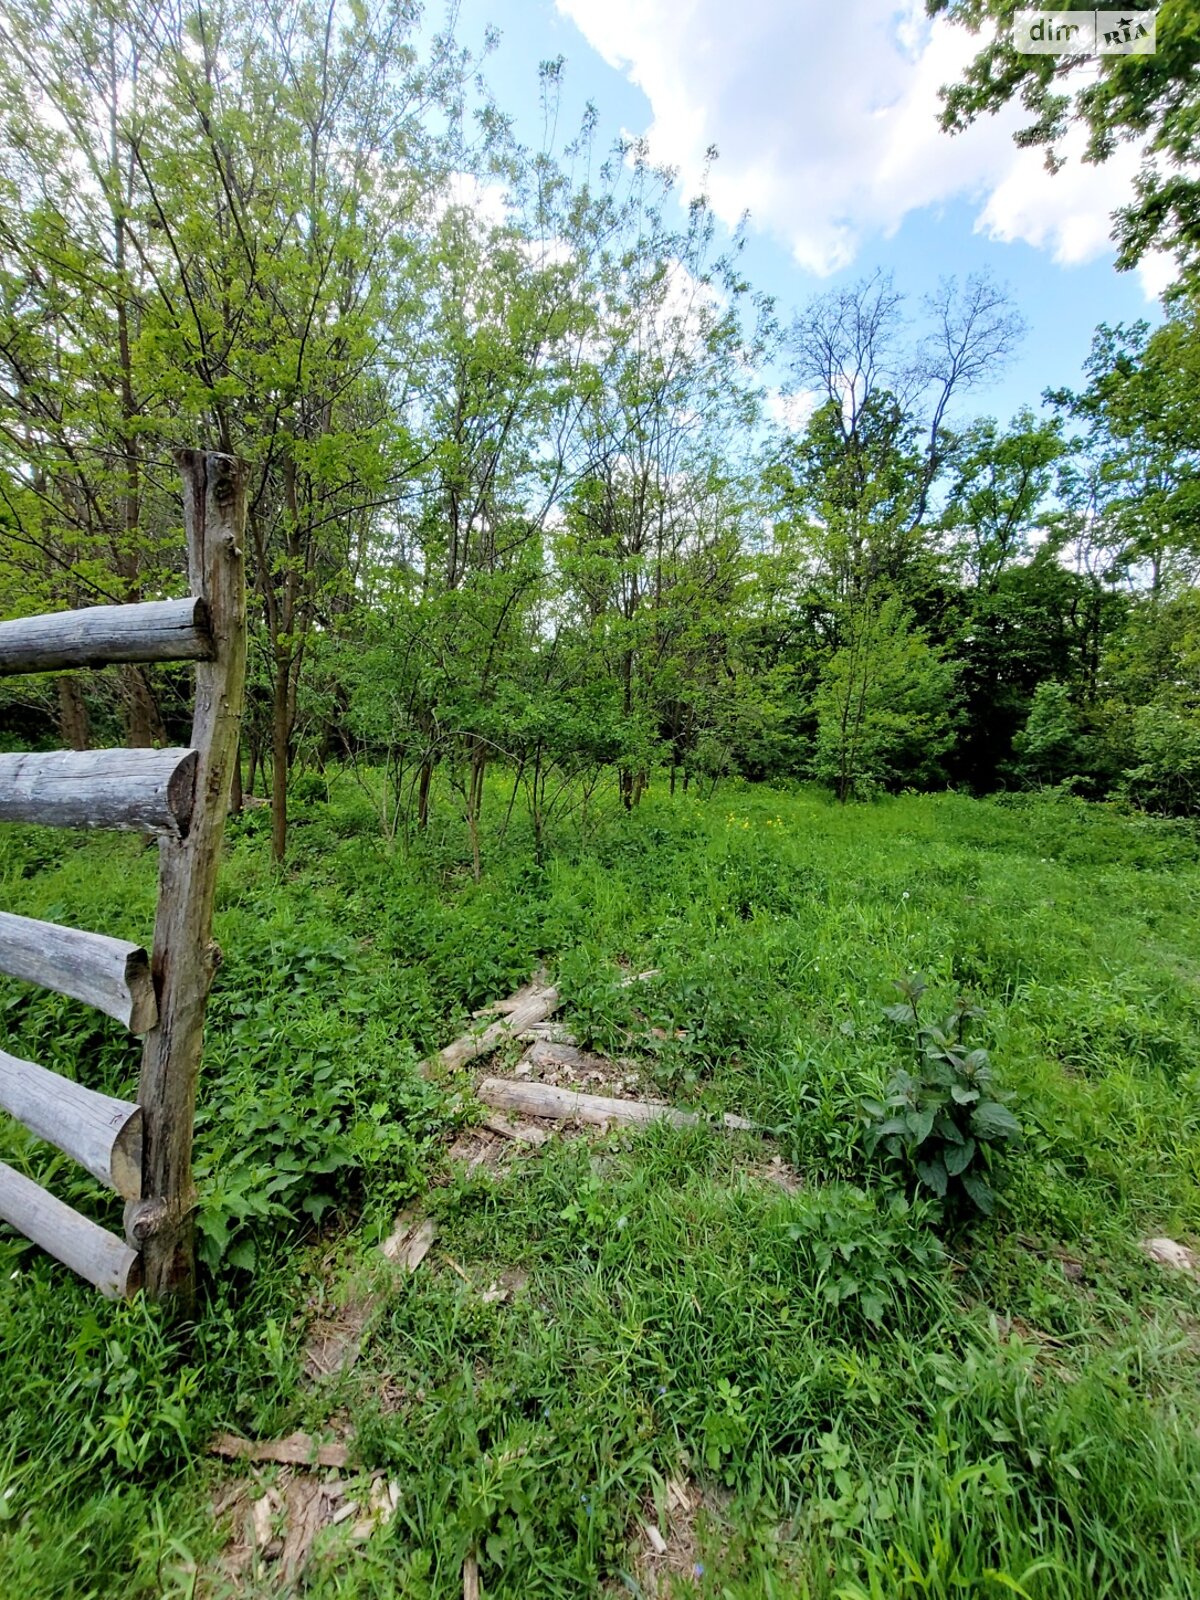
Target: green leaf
979 1192
243 1255
933 1175
958 1157
872 1306
991 1120
920 1124
963 1096
903 1014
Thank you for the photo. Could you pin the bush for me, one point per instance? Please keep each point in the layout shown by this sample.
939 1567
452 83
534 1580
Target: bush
940 1124
1167 777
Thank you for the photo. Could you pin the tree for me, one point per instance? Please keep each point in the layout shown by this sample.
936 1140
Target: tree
1153 100
885 706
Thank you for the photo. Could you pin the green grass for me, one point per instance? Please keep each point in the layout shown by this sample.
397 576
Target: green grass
876 1400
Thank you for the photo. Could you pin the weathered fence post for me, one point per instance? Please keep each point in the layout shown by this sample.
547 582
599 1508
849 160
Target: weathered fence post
184 959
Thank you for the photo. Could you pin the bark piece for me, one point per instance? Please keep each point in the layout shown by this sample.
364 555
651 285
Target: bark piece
409 1244
1167 1253
520 1132
471 1578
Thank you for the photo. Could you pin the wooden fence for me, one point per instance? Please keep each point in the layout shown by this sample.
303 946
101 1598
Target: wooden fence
142 1151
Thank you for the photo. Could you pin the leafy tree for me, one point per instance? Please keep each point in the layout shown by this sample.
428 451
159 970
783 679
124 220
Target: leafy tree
885 706
1150 99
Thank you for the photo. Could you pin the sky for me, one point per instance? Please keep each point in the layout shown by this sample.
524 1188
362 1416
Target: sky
824 113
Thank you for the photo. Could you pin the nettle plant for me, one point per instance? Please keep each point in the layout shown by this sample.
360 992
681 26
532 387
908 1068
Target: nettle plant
943 1121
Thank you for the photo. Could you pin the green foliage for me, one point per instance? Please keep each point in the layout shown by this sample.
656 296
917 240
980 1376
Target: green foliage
869 1252
926 1418
1050 747
1151 99
885 707
1166 744
942 1123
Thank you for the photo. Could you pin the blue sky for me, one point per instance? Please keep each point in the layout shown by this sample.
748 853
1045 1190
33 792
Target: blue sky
824 115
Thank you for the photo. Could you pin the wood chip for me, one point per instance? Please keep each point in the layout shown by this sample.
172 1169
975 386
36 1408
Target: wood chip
297 1450
305 1497
522 1132
678 1496
409 1243
1167 1253
259 1533
470 1578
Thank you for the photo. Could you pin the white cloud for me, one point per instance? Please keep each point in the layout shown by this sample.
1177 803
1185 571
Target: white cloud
826 120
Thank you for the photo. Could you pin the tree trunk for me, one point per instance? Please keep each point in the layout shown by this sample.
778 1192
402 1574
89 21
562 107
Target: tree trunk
280 760
142 714
72 713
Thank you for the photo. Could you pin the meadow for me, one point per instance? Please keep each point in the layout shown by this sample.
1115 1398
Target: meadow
871 1393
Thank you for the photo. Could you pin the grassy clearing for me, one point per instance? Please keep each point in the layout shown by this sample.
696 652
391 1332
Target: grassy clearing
872 1401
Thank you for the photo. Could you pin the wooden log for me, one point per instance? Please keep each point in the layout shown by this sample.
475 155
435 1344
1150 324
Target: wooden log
105 1261
569 1105
184 958
110 974
297 1450
525 1009
138 791
102 1134
158 630
533 1003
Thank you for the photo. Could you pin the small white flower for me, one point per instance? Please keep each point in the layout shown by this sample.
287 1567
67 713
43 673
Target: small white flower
904 896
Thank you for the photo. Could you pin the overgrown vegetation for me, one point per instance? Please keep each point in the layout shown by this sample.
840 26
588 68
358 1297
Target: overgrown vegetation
878 1396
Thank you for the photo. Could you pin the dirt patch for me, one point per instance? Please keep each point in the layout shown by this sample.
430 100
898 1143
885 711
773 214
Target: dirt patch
677 1524
777 1173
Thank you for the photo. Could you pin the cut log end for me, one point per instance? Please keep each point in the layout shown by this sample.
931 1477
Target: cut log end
143 1005
126 1158
181 792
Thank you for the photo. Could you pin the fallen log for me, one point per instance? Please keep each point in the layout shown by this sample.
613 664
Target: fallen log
569 1105
297 1450
532 1003
525 1009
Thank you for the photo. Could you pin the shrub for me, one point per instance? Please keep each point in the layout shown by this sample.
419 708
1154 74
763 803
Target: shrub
941 1123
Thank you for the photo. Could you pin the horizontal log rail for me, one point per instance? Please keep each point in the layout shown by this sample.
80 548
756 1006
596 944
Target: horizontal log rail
105 1261
138 791
157 630
102 1134
110 974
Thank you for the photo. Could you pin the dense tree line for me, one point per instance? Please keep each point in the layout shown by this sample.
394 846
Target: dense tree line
517 503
